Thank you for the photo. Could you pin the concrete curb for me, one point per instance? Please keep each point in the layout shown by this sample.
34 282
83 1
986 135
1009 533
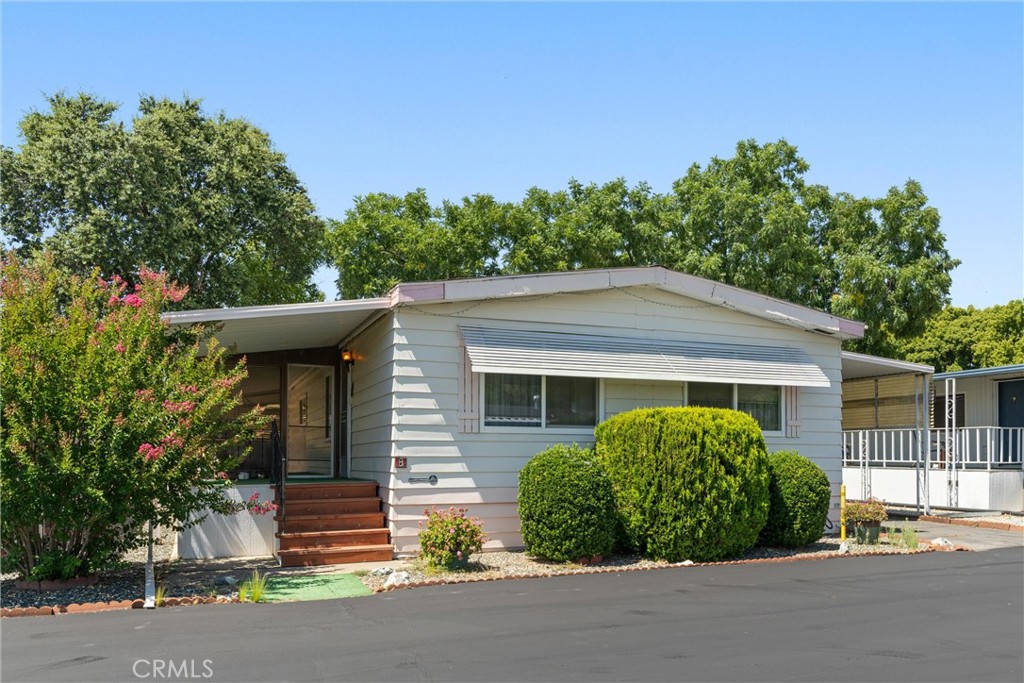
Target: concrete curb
978 524
89 607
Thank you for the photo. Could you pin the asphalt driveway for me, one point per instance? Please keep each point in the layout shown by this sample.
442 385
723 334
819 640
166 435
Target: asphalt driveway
934 617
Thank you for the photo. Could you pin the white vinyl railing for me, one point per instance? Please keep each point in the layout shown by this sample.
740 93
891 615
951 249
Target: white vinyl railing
976 447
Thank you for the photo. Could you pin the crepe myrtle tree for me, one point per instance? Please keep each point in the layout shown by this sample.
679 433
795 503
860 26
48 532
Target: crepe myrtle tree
111 420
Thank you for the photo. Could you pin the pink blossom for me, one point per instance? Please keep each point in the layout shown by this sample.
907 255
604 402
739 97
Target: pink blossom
189 389
120 348
222 475
172 441
151 452
113 300
147 274
144 394
133 300
174 293
179 406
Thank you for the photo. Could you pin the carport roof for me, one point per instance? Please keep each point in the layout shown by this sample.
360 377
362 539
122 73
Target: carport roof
250 329
860 366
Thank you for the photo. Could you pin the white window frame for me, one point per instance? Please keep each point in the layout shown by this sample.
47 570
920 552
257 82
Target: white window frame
544 428
735 404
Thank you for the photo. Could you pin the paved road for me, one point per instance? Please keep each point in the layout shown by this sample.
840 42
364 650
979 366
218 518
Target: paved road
935 617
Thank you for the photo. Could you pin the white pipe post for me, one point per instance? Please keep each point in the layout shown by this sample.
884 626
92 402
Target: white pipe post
150 602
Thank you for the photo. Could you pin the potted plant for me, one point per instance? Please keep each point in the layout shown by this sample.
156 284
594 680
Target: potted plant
866 518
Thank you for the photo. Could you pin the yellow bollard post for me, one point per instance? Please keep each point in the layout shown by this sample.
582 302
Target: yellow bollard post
842 512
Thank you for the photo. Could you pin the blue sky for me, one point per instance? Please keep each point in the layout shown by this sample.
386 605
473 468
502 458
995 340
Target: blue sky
489 98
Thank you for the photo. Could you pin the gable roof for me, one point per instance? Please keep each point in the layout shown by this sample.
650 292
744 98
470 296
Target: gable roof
291 326
691 286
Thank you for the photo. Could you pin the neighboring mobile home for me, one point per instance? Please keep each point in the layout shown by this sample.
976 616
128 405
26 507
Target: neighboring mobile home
967 453
446 389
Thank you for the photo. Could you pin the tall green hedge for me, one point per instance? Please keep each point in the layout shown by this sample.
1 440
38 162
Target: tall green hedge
799 494
566 505
689 483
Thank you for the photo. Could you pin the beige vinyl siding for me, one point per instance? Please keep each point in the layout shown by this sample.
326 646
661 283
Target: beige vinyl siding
981 400
480 471
372 413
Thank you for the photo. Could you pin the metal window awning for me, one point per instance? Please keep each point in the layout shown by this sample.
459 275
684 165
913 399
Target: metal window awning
528 352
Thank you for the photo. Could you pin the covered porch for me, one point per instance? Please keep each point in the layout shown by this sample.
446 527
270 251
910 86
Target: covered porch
966 453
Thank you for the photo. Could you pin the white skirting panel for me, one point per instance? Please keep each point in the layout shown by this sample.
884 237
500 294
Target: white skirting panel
972 489
239 535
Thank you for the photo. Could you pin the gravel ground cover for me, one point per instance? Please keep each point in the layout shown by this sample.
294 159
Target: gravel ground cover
182 579
499 565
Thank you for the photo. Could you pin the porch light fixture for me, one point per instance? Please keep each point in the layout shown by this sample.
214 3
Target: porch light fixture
347 358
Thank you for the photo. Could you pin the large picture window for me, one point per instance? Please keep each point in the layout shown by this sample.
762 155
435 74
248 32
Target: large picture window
538 401
763 403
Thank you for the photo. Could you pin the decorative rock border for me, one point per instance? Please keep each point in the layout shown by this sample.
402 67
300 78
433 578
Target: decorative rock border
76 608
674 565
978 524
56 585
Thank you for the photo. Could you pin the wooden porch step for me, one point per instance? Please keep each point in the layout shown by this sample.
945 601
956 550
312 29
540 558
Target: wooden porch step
332 522
333 539
310 557
330 506
332 490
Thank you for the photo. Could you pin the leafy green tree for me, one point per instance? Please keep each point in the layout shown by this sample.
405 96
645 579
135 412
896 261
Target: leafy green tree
746 221
751 220
890 267
386 239
966 338
208 200
110 420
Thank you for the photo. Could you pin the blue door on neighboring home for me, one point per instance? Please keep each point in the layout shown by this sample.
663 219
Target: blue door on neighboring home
1011 414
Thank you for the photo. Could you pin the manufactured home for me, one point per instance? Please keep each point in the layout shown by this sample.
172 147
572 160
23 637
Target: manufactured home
437 393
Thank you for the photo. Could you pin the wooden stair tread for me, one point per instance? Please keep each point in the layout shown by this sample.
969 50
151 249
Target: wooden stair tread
331 533
348 549
329 515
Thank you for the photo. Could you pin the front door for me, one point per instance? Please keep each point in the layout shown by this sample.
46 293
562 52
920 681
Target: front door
310 435
1011 414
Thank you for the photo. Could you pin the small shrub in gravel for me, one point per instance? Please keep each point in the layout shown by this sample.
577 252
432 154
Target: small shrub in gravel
689 483
449 537
798 498
566 506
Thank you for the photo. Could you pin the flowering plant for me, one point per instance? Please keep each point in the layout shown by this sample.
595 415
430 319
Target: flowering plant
254 506
111 419
870 511
449 537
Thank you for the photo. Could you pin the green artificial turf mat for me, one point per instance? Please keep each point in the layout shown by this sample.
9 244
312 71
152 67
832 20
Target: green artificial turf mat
284 588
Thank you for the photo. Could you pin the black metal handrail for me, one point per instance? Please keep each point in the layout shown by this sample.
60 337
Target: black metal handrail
278 471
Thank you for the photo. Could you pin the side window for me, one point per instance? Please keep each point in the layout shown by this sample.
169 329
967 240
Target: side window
537 401
512 400
763 403
571 401
709 395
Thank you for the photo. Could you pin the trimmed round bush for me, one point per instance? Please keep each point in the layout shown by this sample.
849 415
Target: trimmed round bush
798 498
689 483
565 505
